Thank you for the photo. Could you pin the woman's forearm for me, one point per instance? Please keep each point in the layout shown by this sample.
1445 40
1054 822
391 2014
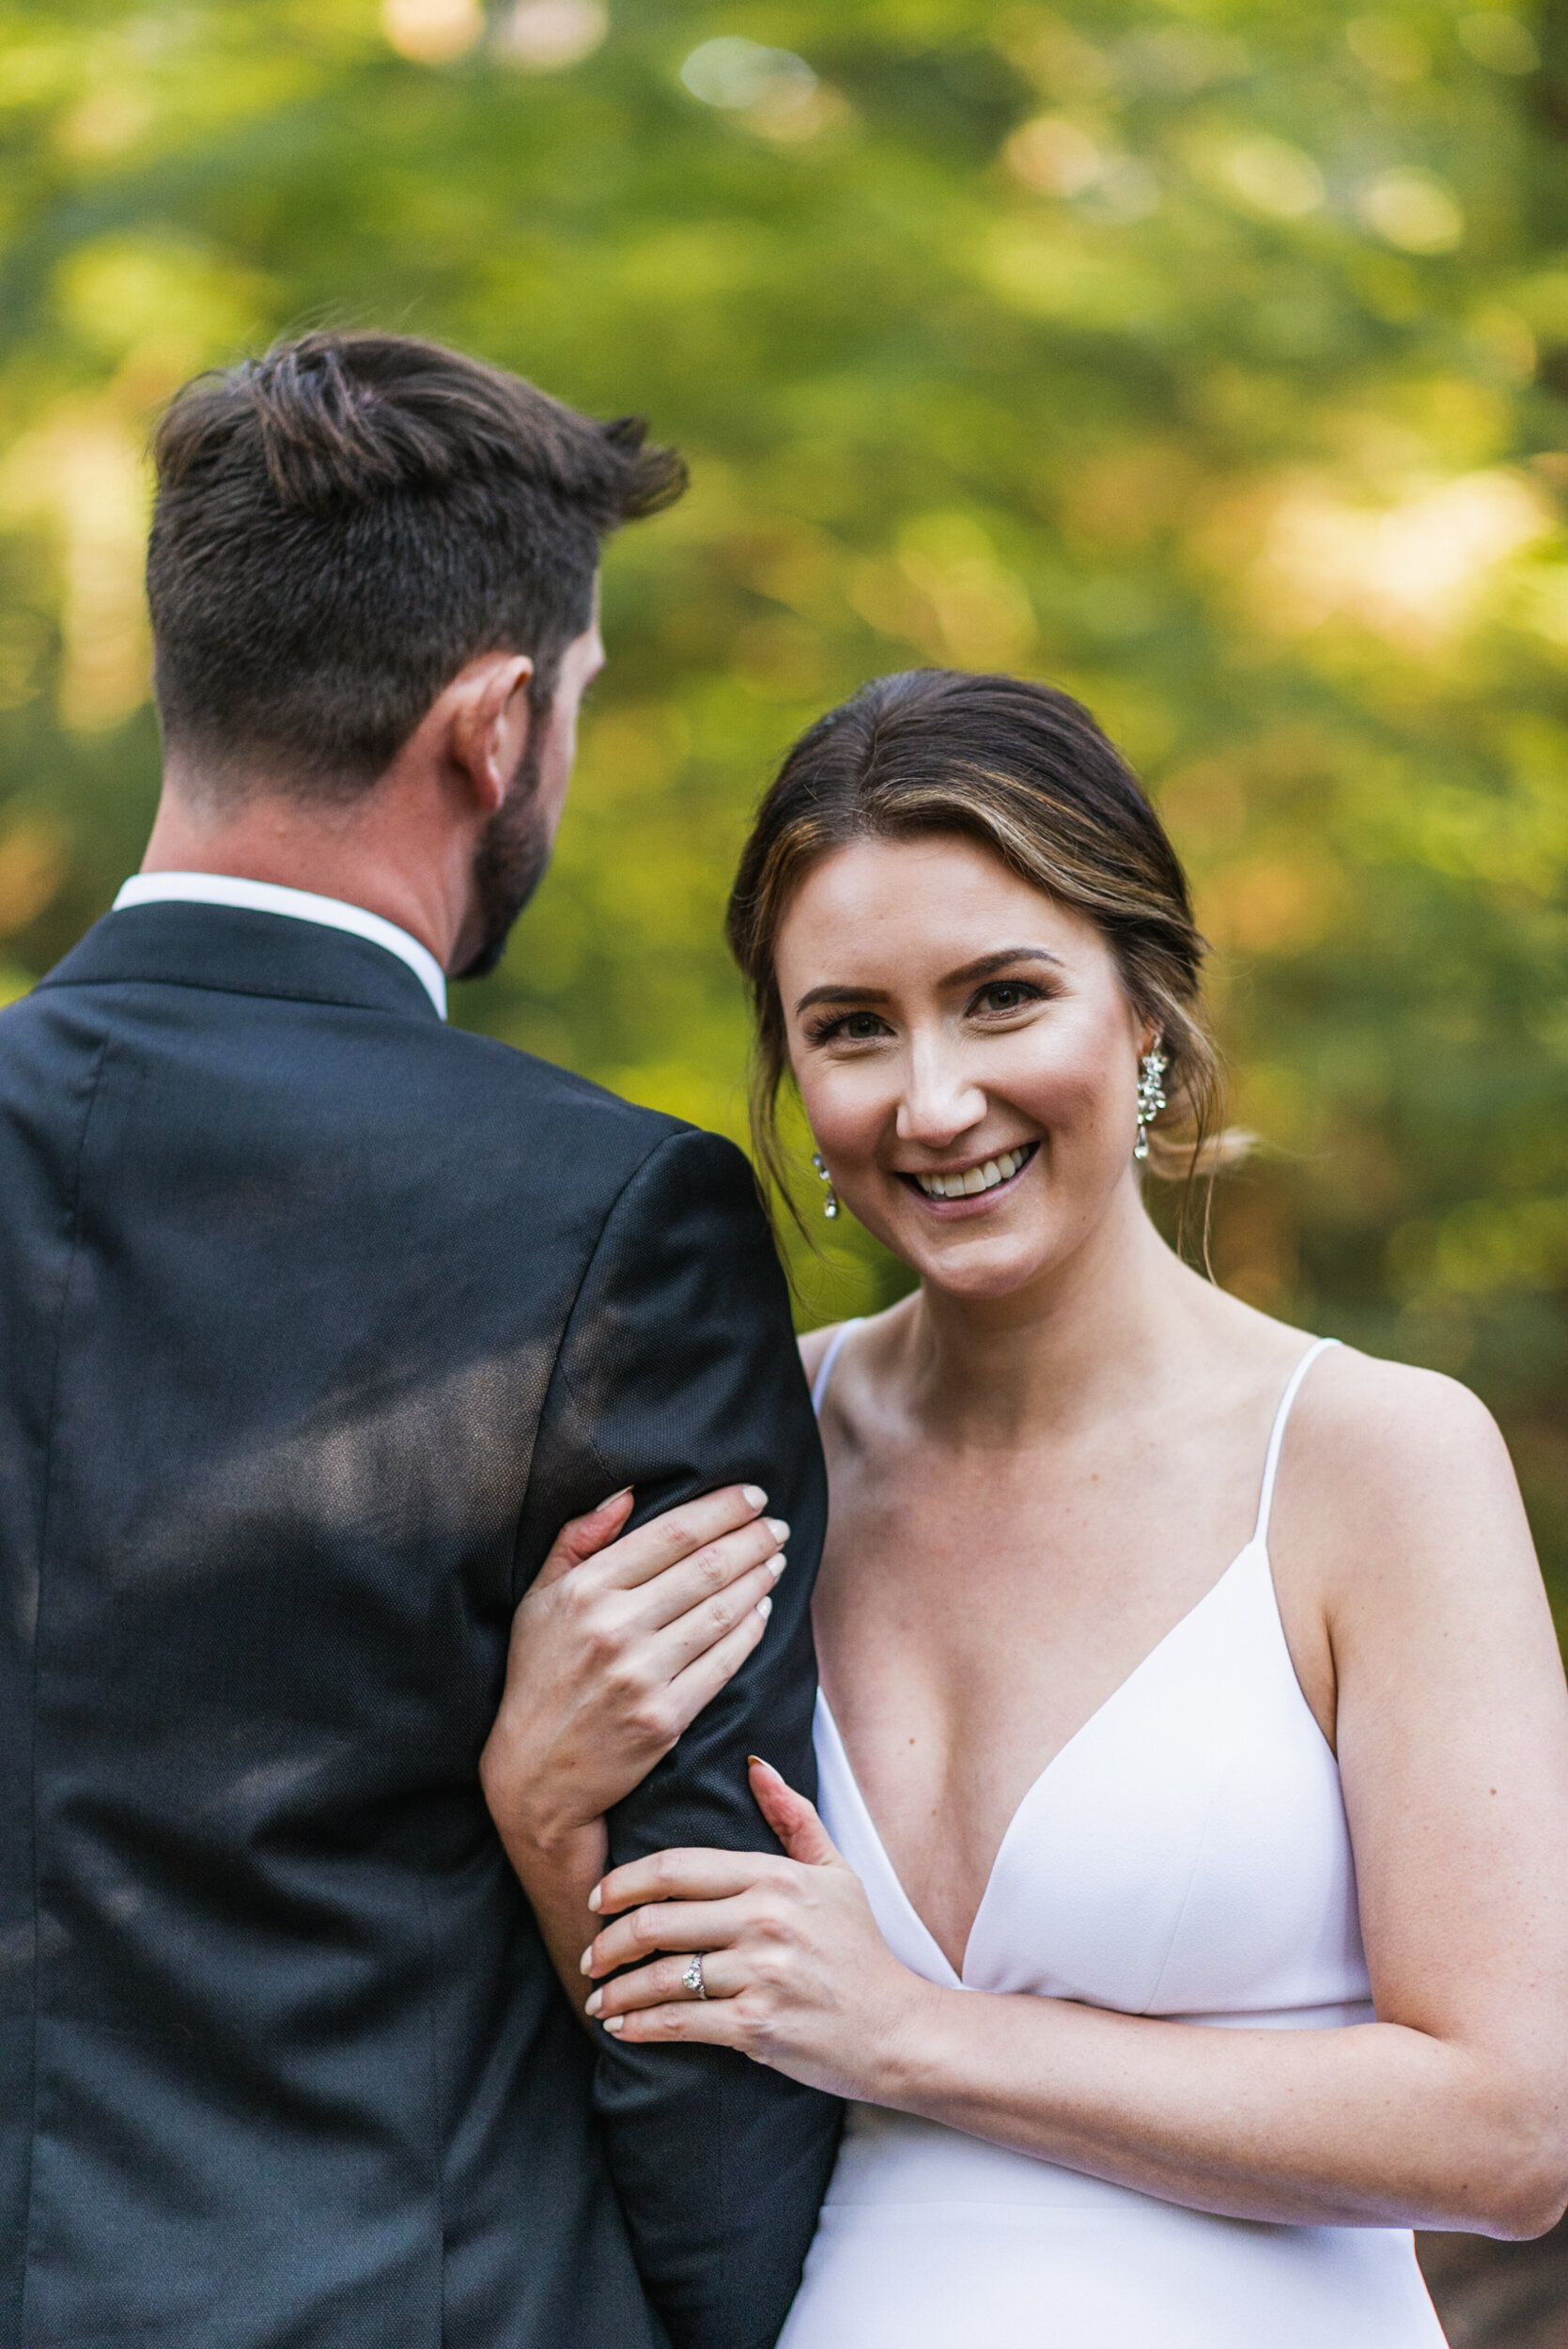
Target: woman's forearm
558 1876
1371 2125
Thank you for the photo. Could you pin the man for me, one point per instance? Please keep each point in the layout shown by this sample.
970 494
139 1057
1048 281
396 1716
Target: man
320 1318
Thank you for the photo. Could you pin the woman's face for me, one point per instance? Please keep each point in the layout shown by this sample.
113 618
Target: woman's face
967 1055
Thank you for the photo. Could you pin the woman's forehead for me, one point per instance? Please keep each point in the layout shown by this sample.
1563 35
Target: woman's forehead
919 898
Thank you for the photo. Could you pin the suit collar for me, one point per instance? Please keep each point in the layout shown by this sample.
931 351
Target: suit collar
232 950
258 897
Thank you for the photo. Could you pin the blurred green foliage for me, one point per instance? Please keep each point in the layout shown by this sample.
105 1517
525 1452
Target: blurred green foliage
1209 357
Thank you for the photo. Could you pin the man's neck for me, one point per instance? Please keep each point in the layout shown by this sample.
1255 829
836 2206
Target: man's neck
381 851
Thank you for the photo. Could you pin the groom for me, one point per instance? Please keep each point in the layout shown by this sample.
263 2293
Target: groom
320 1318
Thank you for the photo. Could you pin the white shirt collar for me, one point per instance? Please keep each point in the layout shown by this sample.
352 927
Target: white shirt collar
302 904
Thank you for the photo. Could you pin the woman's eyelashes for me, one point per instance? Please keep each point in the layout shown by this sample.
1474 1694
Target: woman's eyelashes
848 1027
1003 999
993 1005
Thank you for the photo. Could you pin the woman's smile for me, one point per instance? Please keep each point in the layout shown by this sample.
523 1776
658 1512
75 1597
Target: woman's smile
974 1187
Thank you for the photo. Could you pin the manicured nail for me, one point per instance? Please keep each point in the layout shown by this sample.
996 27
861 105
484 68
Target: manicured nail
593 1901
765 1608
613 2023
592 2005
585 1963
754 1496
624 1494
779 1528
758 1763
777 1563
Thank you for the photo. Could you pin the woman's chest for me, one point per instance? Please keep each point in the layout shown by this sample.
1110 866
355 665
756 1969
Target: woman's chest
1185 1852
1089 1766
964 1638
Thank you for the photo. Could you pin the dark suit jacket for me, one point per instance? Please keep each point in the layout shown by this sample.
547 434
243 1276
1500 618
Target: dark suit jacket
319 1318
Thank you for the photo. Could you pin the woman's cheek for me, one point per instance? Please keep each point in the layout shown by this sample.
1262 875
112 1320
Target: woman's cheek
1079 1107
846 1115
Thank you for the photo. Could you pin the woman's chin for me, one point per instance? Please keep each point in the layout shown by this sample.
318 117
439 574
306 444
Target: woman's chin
972 1263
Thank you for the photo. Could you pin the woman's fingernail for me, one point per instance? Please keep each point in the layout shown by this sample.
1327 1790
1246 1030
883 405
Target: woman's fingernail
779 1528
777 1563
593 1901
765 1608
754 1496
613 2023
585 1963
624 1494
591 2004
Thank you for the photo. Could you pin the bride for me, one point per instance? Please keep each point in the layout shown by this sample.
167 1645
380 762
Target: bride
1189 1690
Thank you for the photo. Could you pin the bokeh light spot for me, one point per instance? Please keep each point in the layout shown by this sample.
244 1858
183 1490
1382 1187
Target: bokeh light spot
736 74
545 36
1273 177
431 32
1389 47
1412 210
1499 40
1055 156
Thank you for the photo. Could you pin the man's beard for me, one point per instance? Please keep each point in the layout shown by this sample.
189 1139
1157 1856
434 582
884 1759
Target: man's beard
509 863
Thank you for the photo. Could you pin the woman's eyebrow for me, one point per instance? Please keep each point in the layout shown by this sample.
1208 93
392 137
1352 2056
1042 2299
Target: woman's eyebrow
831 994
988 965
985 968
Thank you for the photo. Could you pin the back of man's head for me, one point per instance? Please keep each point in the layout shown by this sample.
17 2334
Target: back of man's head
343 526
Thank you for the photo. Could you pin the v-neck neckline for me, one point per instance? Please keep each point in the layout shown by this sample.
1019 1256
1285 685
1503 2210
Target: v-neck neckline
957 1978
1256 1545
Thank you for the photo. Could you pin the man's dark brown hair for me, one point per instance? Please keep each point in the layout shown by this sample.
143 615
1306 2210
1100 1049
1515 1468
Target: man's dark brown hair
342 526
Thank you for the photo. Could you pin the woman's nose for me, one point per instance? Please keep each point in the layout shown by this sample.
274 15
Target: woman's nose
940 1102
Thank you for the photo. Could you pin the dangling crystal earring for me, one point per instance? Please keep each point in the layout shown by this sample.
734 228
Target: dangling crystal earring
829 1204
1151 1095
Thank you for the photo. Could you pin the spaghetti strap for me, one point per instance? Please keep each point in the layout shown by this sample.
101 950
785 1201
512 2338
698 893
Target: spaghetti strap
825 1368
1277 1434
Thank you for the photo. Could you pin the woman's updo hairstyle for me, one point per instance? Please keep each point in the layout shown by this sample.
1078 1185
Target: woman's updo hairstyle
1026 771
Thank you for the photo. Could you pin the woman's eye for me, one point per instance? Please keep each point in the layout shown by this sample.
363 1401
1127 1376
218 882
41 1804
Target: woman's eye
850 1027
1006 995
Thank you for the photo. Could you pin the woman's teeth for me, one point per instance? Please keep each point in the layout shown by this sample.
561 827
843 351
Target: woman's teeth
977 1179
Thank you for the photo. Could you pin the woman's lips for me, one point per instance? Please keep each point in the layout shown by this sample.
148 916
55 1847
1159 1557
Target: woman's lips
972 1188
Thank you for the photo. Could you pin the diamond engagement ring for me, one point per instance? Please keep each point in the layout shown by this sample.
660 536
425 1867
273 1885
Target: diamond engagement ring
693 1977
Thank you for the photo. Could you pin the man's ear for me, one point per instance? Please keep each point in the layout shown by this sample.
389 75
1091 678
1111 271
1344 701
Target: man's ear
488 730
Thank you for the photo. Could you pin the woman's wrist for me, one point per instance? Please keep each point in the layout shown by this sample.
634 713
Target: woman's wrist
541 1835
558 1850
905 2048
532 1807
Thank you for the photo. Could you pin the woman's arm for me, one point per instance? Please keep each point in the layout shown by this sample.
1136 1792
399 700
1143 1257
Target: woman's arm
616 1649
594 1699
1452 2111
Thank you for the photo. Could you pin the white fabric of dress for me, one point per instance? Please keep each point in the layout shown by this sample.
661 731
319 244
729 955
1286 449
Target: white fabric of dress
1184 1854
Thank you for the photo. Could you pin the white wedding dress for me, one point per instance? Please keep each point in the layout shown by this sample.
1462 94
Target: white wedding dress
1184 1854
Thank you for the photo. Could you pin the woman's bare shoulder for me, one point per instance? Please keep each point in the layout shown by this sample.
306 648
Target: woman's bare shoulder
1359 1415
1403 1476
1383 1419
874 1333
814 1345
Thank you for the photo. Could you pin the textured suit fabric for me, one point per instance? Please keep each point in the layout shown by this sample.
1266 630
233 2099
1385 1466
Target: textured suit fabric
319 1318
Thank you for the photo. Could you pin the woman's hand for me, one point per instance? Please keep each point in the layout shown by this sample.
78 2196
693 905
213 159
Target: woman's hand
616 1649
795 1971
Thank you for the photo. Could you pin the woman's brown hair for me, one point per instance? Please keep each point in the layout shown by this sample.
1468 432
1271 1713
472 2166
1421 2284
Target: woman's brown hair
1025 771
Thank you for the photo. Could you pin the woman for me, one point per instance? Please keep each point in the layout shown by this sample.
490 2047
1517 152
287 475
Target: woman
1151 1635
